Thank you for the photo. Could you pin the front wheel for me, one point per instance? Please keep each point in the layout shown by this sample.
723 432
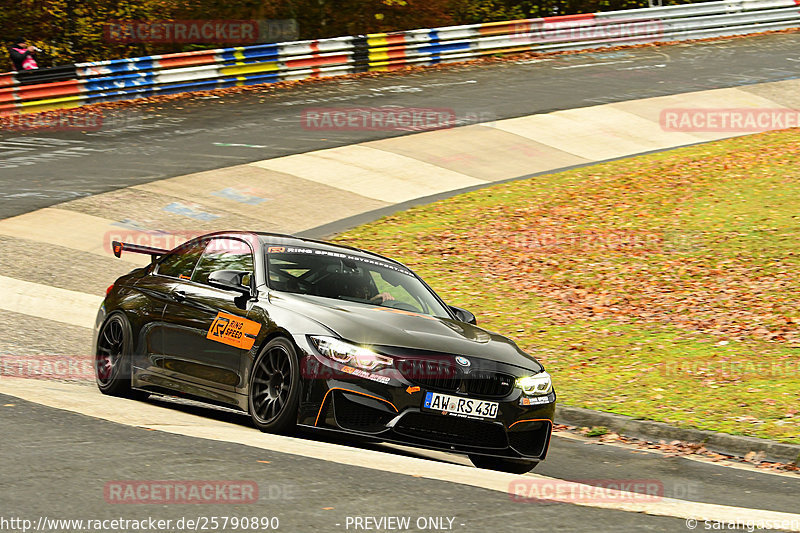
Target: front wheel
112 362
512 466
275 387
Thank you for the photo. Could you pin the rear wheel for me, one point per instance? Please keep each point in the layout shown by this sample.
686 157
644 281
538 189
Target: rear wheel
513 466
112 363
275 387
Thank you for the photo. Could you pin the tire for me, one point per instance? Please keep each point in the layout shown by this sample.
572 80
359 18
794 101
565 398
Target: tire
274 388
112 362
512 466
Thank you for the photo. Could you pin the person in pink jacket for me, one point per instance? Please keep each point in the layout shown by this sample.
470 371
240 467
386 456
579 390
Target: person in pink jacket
22 56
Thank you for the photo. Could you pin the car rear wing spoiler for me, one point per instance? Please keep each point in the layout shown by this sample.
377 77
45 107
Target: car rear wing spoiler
154 253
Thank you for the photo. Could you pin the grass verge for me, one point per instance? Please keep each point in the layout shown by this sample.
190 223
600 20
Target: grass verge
662 286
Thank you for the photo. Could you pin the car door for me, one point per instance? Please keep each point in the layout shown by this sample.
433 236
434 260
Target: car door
155 291
195 344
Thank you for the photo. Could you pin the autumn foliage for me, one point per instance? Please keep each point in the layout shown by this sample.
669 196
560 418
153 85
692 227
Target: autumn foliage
72 30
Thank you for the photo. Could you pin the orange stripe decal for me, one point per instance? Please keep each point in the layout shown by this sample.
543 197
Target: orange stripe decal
322 406
531 420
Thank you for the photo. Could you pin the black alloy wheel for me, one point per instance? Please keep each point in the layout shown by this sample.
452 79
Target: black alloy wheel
275 387
112 361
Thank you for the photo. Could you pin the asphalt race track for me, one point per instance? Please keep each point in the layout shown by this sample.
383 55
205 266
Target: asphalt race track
63 443
147 144
300 487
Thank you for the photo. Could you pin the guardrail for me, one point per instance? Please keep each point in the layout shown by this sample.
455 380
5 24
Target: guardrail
124 79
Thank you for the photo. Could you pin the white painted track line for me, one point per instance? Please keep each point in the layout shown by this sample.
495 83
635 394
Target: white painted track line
51 303
373 173
62 227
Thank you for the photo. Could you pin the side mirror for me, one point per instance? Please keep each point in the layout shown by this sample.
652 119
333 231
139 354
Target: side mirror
463 315
232 280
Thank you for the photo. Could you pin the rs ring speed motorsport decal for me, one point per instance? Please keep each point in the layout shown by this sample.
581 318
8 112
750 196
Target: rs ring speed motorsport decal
234 331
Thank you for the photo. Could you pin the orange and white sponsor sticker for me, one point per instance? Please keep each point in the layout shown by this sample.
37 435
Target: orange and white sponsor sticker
366 375
233 330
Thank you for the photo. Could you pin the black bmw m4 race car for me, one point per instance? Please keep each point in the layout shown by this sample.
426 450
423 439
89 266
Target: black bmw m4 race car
304 333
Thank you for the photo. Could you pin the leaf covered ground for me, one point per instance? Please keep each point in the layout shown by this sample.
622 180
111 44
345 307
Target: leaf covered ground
662 286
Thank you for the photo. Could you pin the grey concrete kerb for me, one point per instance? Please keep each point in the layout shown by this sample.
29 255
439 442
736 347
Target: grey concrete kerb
724 443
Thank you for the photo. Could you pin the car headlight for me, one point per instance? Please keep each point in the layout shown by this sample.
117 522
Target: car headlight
350 354
539 385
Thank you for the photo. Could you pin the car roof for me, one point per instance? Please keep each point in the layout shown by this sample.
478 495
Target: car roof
280 239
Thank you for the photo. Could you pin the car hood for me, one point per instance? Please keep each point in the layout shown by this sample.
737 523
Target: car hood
383 326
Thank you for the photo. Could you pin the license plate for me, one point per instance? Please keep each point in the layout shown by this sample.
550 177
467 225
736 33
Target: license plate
454 405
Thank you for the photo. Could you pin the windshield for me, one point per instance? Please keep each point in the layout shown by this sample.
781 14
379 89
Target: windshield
349 277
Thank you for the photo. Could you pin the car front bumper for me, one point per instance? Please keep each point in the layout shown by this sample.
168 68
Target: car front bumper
386 406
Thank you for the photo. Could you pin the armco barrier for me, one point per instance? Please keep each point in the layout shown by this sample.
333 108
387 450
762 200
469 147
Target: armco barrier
125 79
46 75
